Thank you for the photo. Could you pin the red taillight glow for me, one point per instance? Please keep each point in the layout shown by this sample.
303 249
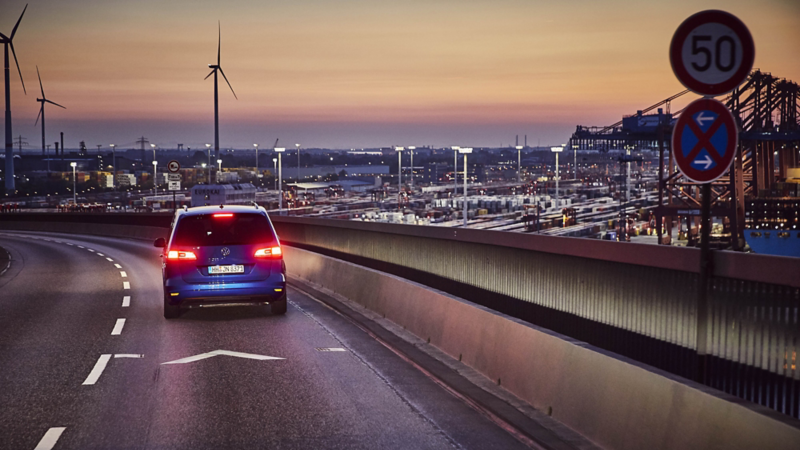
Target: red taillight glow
270 252
221 215
181 255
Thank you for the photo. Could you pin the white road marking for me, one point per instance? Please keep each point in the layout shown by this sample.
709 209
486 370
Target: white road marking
126 301
220 352
109 259
118 327
128 355
100 254
124 275
50 438
98 369
126 285
80 246
331 349
90 250
69 243
117 266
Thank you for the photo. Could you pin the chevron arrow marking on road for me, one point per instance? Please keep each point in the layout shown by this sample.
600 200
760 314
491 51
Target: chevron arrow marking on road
218 353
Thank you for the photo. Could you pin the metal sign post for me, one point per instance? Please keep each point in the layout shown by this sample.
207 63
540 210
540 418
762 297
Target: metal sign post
711 53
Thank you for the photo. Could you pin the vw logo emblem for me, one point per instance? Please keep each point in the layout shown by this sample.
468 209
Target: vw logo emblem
225 251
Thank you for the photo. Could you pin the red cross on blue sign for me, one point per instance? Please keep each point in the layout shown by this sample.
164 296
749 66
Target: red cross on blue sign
704 140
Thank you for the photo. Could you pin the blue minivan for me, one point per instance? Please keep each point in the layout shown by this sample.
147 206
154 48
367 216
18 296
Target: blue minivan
222 256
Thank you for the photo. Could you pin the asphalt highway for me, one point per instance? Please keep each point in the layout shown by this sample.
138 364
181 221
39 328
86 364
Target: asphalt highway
87 361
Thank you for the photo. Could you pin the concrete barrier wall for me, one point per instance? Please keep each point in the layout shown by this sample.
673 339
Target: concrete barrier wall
95 229
611 400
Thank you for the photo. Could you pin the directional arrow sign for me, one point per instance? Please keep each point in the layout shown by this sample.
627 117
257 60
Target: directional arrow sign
704 140
220 352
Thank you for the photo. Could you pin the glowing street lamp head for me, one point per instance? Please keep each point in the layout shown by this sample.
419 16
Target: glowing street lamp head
455 147
465 150
153 145
519 147
557 149
399 149
219 161
411 147
155 163
280 149
255 145
208 145
73 164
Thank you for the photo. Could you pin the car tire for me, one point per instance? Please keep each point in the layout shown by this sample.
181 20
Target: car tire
171 311
279 307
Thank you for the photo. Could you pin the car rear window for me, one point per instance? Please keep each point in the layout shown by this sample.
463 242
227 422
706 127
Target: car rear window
237 229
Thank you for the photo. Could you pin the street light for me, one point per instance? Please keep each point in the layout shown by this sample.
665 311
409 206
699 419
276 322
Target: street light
219 169
114 165
556 150
208 151
256 146
279 151
455 171
155 178
411 149
74 184
399 151
275 169
519 164
465 152
154 151
297 146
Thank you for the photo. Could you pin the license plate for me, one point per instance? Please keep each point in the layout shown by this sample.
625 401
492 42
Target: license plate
218 270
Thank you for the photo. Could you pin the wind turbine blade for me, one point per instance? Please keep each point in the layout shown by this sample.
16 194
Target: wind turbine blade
40 115
212 73
14 31
54 103
11 44
219 43
229 83
40 81
5 38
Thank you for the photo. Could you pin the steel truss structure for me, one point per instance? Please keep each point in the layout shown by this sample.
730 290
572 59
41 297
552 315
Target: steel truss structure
766 108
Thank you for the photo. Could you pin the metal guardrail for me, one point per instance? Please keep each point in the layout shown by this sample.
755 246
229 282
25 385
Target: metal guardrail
632 299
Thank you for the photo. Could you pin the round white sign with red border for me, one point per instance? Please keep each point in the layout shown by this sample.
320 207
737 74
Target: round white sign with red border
173 166
712 52
704 140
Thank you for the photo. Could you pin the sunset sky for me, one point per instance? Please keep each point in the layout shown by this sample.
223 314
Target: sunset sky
351 73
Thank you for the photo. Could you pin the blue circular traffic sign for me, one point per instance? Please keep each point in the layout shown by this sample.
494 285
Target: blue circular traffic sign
704 140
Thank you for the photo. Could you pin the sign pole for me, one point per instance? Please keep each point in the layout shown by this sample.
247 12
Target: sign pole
702 288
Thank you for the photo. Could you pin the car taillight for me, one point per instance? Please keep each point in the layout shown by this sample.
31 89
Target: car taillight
222 215
269 252
181 255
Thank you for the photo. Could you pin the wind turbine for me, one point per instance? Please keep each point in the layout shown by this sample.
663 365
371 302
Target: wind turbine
8 41
214 68
43 100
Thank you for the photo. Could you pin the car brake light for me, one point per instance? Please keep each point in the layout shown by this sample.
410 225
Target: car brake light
269 252
181 255
220 215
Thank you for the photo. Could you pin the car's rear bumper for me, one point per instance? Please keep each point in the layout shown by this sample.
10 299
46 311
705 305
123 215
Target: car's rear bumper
204 295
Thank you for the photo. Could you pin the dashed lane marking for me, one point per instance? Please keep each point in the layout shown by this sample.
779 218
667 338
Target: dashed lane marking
128 355
109 259
118 327
117 266
126 285
50 438
126 301
98 369
331 349
100 254
123 274
80 246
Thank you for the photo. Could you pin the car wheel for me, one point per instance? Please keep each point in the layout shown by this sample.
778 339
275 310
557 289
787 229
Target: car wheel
279 307
171 311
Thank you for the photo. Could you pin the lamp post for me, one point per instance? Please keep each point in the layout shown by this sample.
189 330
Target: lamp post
411 149
399 151
208 151
297 146
556 150
279 151
153 146
155 178
465 152
256 146
114 165
74 185
204 165
219 169
275 169
455 172
575 160
519 164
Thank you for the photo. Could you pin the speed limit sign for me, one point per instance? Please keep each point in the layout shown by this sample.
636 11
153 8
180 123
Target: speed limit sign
712 52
